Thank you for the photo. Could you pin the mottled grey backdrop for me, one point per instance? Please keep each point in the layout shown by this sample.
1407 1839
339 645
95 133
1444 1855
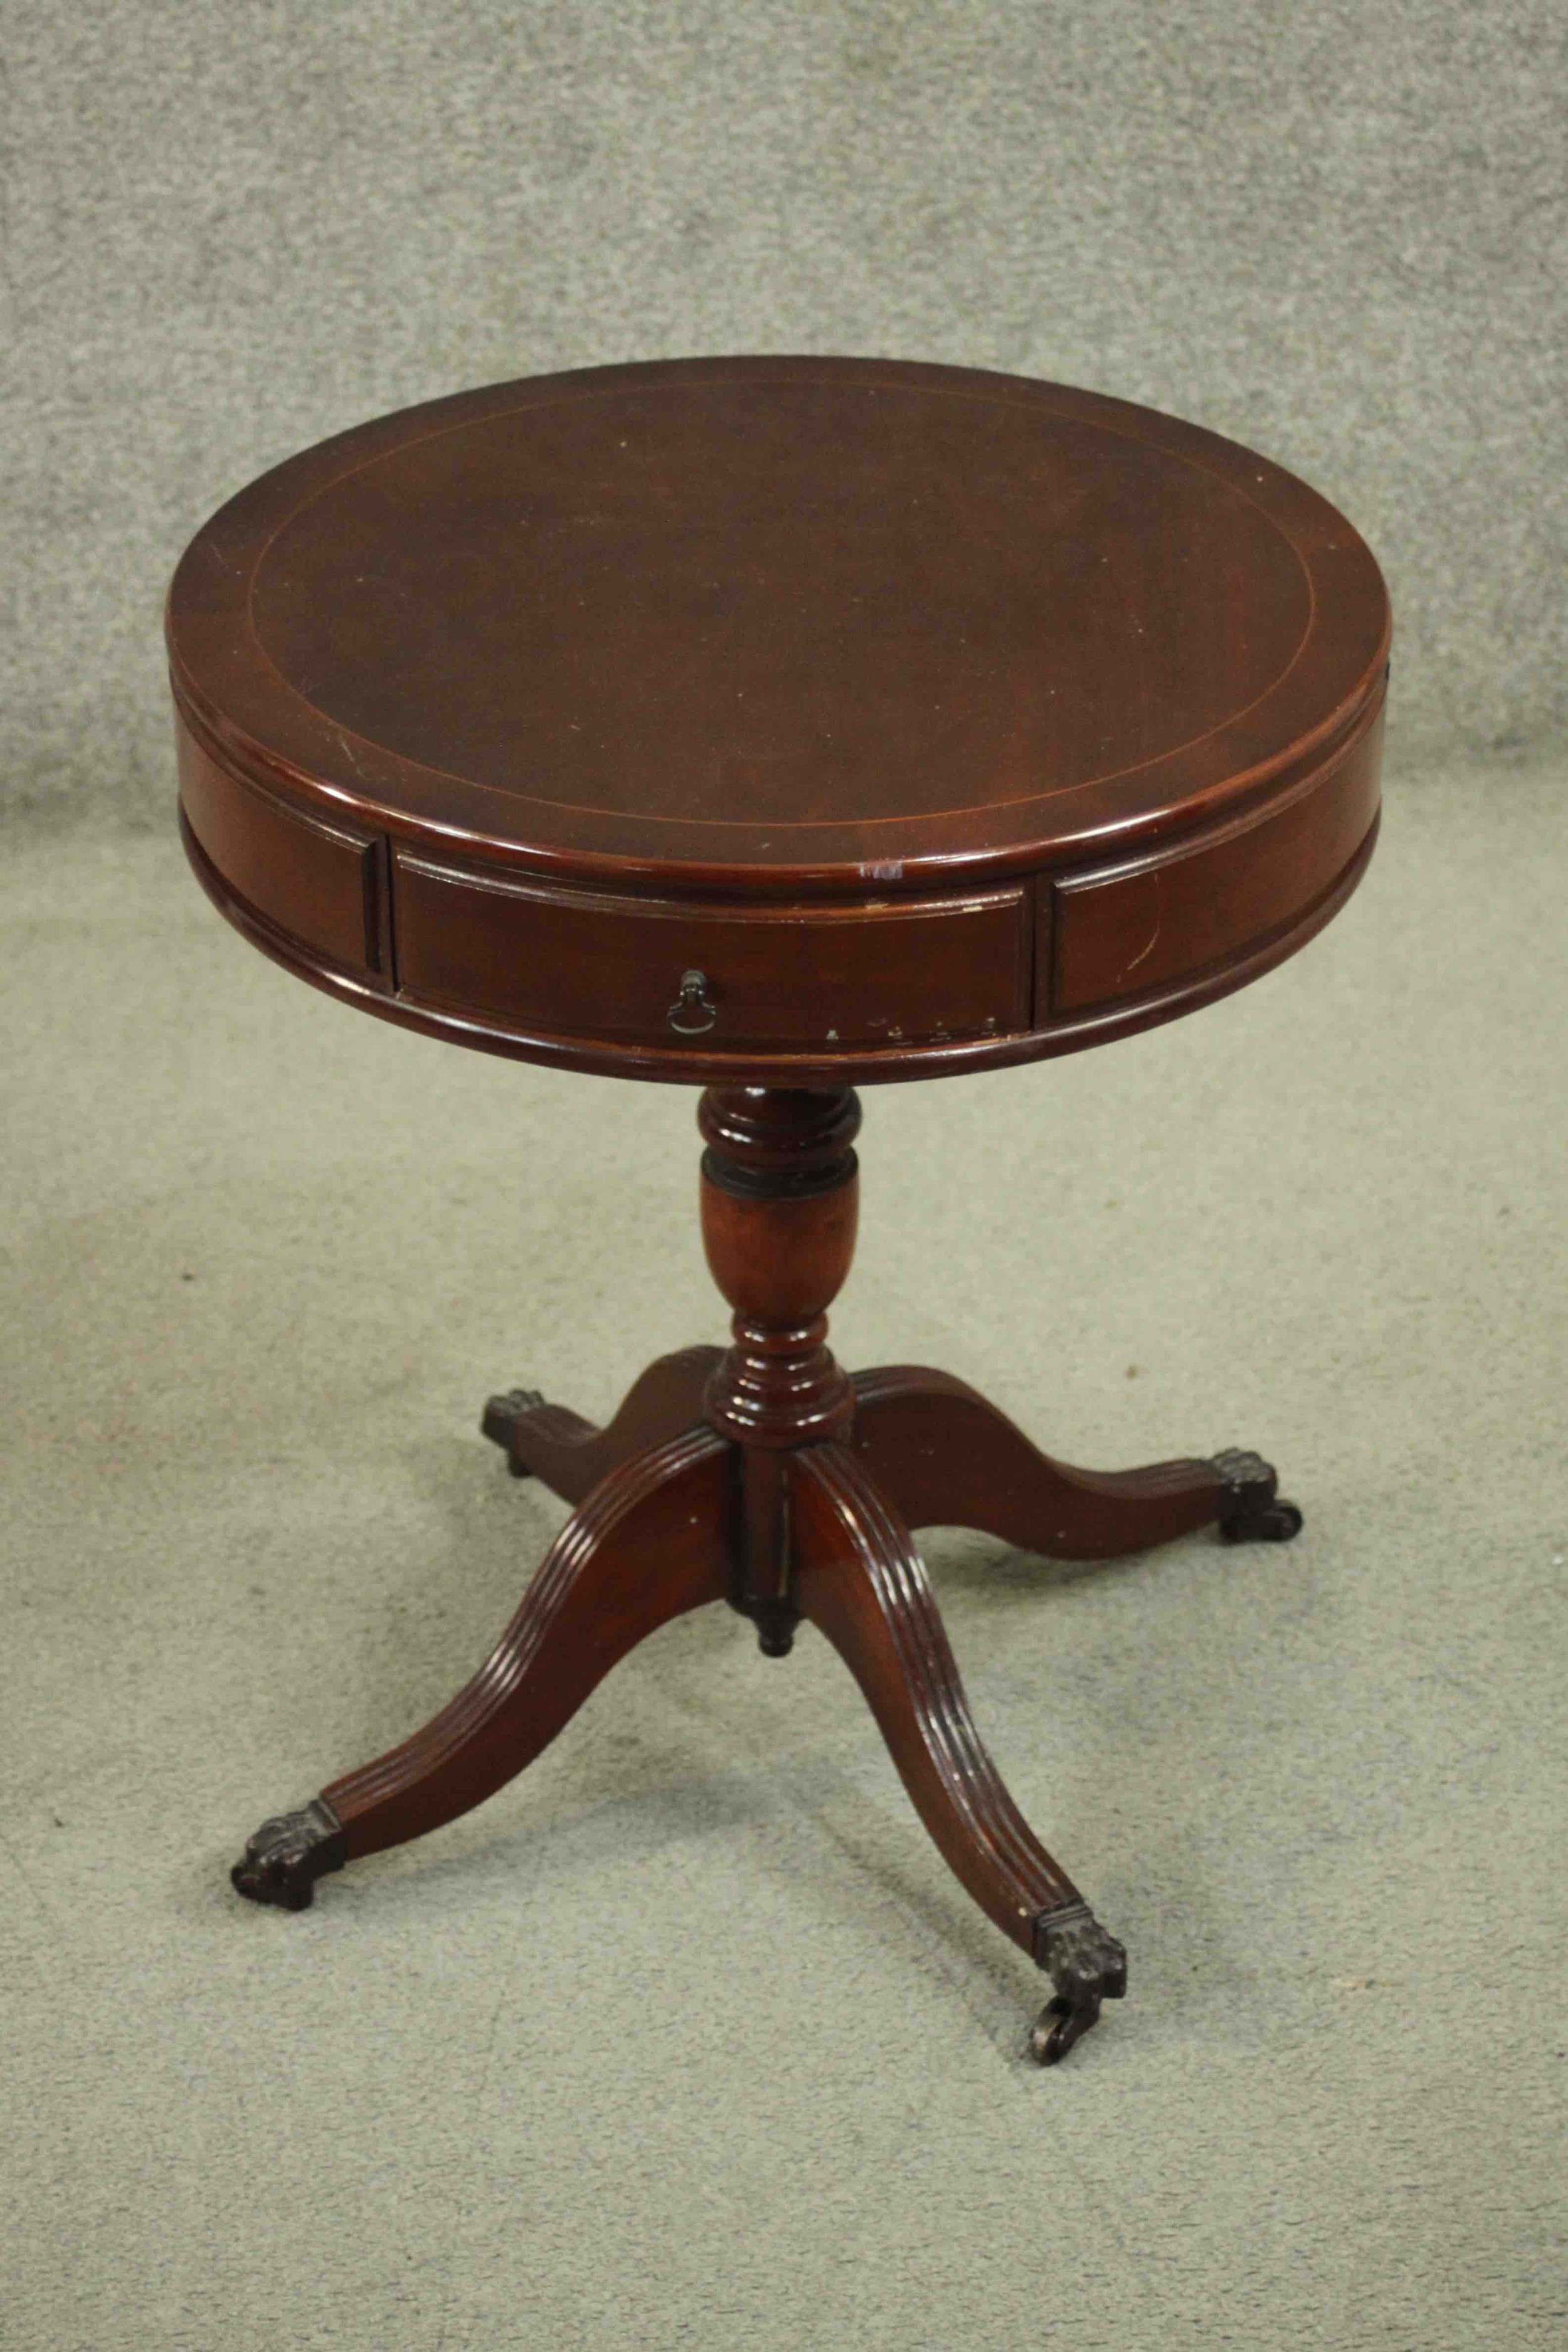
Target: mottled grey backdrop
1333 231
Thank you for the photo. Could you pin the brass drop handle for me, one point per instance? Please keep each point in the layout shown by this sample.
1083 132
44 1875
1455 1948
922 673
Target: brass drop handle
693 1010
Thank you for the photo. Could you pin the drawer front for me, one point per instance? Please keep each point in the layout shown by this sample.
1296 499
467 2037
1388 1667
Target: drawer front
574 964
1139 926
320 883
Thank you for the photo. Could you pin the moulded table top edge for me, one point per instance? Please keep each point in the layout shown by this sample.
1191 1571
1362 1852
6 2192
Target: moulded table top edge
310 756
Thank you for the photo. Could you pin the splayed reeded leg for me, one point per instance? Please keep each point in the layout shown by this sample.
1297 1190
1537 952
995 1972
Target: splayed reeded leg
948 1458
647 1546
569 1454
858 1576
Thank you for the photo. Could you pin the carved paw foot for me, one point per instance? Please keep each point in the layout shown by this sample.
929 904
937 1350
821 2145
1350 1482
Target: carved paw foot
501 1412
1085 1966
1258 1515
287 1855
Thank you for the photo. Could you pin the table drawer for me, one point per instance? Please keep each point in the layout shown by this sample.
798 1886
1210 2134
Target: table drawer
573 963
320 883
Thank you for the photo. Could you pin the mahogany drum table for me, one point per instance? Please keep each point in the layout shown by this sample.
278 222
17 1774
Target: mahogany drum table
779 726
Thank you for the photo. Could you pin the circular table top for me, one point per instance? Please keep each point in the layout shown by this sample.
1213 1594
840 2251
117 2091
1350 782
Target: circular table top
795 639
736 619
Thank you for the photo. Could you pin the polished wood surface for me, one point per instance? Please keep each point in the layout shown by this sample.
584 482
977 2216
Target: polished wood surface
927 719
644 1546
779 725
944 1454
571 1455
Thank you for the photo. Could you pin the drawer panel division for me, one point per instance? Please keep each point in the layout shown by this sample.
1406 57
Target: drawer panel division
1135 929
318 882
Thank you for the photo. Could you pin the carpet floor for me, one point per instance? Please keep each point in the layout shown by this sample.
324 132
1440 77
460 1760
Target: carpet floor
686 2038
